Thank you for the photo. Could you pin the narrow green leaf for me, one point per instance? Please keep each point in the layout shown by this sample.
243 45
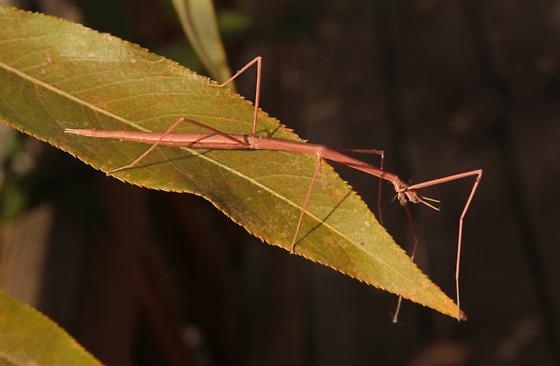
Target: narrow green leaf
56 75
27 337
198 19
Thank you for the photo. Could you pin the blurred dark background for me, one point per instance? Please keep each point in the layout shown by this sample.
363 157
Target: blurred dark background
149 278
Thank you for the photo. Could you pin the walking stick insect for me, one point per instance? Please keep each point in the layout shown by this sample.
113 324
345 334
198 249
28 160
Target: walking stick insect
219 140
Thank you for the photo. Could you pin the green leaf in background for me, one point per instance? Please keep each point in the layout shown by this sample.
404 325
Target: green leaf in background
198 19
27 337
56 74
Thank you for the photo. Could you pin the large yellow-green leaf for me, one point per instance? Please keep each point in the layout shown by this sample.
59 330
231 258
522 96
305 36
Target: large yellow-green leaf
56 75
27 337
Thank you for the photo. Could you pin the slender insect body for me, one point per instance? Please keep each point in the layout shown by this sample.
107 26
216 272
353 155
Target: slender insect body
253 142
216 139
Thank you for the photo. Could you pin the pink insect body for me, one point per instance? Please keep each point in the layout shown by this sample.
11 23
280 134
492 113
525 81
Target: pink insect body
216 139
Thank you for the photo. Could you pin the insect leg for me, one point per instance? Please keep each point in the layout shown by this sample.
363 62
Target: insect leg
306 200
412 255
381 154
478 174
257 60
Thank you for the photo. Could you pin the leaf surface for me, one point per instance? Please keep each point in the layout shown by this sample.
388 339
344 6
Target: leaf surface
27 337
56 74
